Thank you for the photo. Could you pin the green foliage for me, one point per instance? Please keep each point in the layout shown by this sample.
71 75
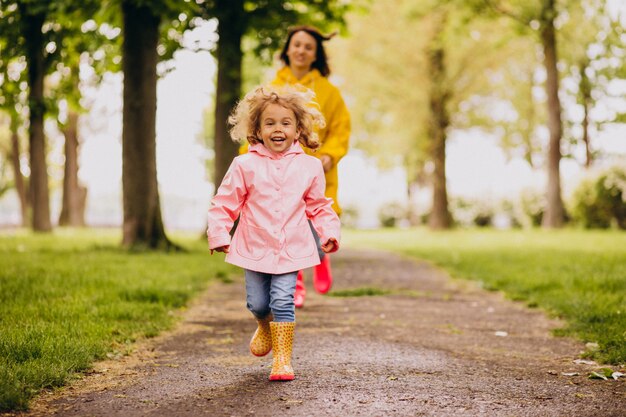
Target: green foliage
390 99
391 214
593 68
265 23
349 216
472 212
600 201
533 205
70 299
573 274
270 20
207 138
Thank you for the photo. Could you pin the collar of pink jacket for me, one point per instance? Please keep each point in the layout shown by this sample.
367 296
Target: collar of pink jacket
262 150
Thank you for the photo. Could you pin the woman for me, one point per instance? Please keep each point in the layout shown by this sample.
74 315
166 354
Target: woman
305 63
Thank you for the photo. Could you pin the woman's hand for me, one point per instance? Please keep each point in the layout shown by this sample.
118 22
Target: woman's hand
327 162
330 246
224 249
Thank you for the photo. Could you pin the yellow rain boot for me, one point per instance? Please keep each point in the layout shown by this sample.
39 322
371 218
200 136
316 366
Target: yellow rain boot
261 342
282 341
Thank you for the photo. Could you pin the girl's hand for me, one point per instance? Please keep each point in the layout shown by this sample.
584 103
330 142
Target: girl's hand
225 249
330 246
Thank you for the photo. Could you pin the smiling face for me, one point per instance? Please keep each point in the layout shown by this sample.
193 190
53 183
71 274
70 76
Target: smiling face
302 50
278 128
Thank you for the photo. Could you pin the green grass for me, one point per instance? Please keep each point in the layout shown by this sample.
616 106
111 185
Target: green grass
71 298
359 292
577 275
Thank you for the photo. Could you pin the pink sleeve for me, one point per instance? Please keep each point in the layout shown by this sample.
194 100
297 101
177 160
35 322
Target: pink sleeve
226 206
319 210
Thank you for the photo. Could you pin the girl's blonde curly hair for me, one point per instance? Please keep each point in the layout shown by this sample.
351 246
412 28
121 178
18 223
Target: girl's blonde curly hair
246 116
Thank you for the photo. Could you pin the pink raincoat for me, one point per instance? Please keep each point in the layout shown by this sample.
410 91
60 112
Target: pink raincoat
274 194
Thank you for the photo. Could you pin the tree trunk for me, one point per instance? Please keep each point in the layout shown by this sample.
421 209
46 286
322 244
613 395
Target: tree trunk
440 217
74 195
413 214
228 90
555 213
529 131
588 154
143 225
585 97
20 184
36 70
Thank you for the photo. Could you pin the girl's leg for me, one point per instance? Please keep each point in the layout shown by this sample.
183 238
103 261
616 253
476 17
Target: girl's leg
283 326
258 302
281 296
258 293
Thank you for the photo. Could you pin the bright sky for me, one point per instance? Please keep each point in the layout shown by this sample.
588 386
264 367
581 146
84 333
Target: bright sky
475 165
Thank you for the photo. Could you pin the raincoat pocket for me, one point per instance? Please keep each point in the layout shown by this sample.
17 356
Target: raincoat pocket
251 242
299 242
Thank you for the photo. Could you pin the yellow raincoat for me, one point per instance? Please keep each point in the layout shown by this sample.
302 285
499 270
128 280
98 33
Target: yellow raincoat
334 138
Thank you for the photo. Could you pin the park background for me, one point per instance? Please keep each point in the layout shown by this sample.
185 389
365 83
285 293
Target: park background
468 77
486 165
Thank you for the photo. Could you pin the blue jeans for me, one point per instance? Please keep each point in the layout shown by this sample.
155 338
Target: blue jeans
271 293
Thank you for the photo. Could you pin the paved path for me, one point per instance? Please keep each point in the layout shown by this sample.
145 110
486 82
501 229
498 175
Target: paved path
433 346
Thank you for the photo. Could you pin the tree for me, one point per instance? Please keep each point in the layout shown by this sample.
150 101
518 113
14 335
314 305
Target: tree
593 70
540 16
151 33
409 102
30 17
143 225
84 43
439 94
31 29
231 26
12 102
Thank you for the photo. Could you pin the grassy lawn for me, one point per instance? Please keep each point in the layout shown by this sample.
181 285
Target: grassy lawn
577 275
73 297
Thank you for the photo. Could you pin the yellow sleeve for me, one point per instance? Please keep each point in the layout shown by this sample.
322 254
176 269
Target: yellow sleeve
337 129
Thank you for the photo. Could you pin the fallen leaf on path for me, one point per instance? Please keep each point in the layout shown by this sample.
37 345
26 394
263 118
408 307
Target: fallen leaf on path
570 373
605 373
584 362
596 375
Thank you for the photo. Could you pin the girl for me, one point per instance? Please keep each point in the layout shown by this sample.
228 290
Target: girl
305 63
274 189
